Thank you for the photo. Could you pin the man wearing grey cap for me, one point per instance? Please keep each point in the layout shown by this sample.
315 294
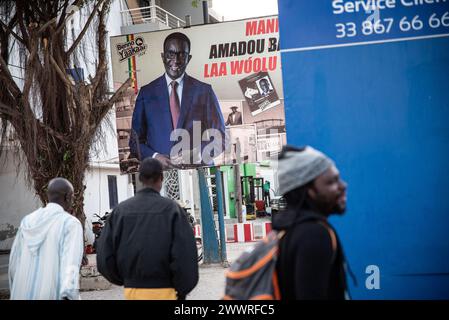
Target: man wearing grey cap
311 261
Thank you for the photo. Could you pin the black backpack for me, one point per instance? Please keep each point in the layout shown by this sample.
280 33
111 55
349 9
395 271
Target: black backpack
253 275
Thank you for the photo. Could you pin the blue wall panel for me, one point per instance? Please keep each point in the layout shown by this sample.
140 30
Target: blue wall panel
382 112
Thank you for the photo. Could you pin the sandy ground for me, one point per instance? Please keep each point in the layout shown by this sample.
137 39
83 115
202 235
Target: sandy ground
210 286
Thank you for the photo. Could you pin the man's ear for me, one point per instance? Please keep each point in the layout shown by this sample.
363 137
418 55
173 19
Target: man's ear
311 192
162 56
190 58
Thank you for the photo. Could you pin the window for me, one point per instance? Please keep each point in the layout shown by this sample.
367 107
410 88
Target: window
133 179
113 196
72 30
144 3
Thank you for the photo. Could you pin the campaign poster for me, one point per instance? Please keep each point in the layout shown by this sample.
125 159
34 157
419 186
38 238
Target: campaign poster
204 95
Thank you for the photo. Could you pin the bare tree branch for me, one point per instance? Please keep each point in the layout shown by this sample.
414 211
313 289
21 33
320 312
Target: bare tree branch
4 35
54 133
9 30
23 30
29 76
8 110
86 26
46 25
63 14
6 75
102 65
116 96
60 73
35 8
62 22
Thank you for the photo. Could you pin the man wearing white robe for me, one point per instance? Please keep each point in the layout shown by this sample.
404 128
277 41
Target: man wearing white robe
46 254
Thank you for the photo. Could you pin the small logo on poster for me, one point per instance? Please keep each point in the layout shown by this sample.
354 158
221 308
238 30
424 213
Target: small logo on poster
131 48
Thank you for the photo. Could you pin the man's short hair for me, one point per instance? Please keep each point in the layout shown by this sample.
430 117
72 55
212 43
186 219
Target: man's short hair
150 170
179 36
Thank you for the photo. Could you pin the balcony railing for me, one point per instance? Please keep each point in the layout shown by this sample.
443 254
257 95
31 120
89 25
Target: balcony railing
150 14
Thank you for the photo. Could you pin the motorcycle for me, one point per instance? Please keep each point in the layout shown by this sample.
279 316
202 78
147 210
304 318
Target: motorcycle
193 224
97 226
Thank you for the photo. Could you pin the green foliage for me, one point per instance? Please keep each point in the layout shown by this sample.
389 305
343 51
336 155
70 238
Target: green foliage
66 156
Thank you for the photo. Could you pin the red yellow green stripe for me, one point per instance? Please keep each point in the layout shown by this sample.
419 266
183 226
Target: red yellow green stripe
132 67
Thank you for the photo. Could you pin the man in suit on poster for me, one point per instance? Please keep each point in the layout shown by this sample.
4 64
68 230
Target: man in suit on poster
234 118
174 101
265 86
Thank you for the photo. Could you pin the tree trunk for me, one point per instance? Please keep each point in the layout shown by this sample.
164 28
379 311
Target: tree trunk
54 118
73 169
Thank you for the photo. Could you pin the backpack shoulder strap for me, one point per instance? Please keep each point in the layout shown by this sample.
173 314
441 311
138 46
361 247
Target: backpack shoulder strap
333 238
328 228
330 231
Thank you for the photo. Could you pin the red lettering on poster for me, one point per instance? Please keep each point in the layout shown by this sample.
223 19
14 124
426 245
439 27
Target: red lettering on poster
245 66
237 67
216 70
262 26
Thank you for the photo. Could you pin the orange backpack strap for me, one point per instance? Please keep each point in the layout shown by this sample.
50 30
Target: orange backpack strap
277 290
275 280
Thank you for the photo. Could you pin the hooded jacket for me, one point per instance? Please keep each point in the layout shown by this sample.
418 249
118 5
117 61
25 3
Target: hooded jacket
46 256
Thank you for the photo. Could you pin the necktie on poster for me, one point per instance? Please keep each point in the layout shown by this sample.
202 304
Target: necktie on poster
174 104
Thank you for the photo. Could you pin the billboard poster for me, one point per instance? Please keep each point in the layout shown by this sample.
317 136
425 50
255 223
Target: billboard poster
203 95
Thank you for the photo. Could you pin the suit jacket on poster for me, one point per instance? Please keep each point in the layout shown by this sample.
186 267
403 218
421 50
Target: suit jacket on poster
237 119
152 122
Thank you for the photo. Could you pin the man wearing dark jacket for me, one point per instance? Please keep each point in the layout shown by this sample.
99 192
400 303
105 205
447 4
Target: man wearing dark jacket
311 263
147 244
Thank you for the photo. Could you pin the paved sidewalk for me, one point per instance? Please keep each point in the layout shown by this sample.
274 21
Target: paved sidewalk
210 286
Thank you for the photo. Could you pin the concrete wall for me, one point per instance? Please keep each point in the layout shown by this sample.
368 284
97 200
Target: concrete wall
16 200
181 8
96 195
143 27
